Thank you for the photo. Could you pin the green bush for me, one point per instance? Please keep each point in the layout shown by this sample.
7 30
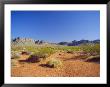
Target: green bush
54 63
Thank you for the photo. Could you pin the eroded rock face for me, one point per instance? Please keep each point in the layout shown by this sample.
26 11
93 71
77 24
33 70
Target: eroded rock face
27 41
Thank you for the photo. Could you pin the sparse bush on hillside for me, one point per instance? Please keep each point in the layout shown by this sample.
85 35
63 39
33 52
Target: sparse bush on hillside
54 63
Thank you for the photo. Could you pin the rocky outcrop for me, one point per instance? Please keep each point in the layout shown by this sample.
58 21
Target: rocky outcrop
29 41
26 41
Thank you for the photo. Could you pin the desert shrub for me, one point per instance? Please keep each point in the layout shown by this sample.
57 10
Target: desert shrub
54 63
93 49
32 48
33 59
40 55
15 55
71 48
40 51
14 63
29 48
46 50
69 51
16 48
93 57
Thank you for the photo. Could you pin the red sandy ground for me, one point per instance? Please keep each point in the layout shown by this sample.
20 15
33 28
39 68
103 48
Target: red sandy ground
70 68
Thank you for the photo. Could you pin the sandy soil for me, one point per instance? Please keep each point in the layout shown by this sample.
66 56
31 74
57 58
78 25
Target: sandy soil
70 68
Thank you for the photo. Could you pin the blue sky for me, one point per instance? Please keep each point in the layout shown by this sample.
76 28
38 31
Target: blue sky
56 26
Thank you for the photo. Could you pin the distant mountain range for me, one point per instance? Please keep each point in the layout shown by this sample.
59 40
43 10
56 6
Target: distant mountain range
29 41
76 43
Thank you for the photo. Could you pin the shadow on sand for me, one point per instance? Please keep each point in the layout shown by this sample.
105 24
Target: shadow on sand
45 65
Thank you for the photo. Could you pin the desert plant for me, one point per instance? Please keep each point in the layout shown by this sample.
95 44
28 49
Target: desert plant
15 55
71 48
69 51
46 50
33 59
93 49
93 59
14 63
41 55
54 63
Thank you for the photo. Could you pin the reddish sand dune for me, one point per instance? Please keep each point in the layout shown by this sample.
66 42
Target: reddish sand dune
70 68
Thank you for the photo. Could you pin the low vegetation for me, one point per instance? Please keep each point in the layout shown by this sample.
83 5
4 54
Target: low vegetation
54 63
37 53
33 59
93 59
15 55
92 49
55 59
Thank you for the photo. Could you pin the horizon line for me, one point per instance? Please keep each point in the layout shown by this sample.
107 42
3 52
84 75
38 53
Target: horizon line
53 41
